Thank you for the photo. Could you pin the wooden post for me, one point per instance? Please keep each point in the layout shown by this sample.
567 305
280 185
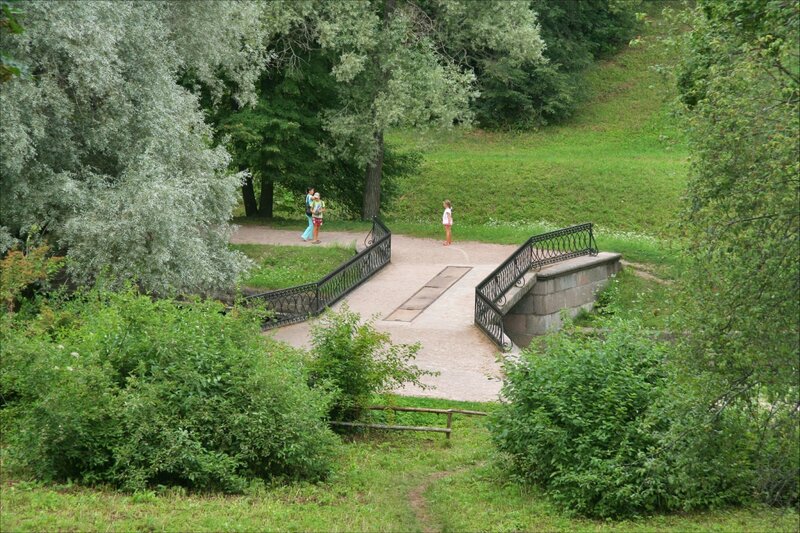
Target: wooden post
449 423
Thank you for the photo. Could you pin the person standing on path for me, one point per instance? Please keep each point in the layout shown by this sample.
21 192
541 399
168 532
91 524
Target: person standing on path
447 220
310 229
317 209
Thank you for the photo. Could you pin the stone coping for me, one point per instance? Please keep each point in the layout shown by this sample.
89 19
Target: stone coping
576 264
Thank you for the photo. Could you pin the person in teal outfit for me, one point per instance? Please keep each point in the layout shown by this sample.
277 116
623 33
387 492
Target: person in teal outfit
309 232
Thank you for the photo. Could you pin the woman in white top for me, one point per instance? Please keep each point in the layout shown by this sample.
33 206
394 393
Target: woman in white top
447 220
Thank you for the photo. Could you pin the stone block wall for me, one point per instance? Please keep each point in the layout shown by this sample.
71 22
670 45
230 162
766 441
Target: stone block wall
572 285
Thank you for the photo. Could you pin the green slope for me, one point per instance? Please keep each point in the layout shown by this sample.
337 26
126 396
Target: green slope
620 162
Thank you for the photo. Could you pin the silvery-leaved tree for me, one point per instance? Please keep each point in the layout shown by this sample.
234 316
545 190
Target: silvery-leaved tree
393 68
106 152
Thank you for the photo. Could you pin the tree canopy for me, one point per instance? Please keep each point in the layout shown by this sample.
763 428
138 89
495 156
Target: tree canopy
106 152
393 69
740 84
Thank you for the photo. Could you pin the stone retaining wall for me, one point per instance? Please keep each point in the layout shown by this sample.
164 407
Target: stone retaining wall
572 285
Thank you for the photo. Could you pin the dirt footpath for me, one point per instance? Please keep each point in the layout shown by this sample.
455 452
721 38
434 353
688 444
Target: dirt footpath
451 344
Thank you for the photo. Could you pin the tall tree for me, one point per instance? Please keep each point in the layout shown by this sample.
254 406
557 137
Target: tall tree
740 82
105 150
393 70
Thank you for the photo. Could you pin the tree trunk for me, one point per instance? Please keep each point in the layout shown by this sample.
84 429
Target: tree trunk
249 196
372 183
267 195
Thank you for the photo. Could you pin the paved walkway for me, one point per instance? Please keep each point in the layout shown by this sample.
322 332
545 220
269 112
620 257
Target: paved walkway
451 343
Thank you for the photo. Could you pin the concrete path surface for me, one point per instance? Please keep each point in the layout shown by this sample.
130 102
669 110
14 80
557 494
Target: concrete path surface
451 343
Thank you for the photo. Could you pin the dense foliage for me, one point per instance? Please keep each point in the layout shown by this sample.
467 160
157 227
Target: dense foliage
102 149
280 140
577 421
603 426
22 268
118 389
356 362
276 140
9 66
740 86
532 93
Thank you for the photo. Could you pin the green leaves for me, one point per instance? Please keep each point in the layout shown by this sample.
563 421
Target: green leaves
106 150
740 81
118 389
580 419
357 362
607 428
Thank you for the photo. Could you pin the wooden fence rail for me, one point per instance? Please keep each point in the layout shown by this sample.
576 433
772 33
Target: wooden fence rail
446 430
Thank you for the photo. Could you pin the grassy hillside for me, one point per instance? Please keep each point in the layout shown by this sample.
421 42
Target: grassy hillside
620 162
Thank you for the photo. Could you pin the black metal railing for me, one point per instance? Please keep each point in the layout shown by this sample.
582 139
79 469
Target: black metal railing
538 251
296 304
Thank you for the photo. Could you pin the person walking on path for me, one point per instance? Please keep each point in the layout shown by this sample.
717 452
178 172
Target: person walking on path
447 220
310 229
317 209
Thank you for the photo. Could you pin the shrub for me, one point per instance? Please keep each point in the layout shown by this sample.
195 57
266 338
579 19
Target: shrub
119 389
357 362
576 422
19 269
602 425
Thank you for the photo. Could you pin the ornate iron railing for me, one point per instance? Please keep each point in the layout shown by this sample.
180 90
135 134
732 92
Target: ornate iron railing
296 304
538 251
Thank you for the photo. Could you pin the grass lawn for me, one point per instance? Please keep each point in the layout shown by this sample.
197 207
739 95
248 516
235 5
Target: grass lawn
279 267
383 482
630 296
620 162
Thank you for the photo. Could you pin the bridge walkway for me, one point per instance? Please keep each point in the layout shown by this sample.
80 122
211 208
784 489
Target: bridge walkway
417 298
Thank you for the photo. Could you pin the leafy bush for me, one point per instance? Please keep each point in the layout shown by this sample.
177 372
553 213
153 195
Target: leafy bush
357 362
118 389
740 81
576 422
601 424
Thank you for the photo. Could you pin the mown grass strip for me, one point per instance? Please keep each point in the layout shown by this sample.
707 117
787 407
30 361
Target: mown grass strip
279 267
